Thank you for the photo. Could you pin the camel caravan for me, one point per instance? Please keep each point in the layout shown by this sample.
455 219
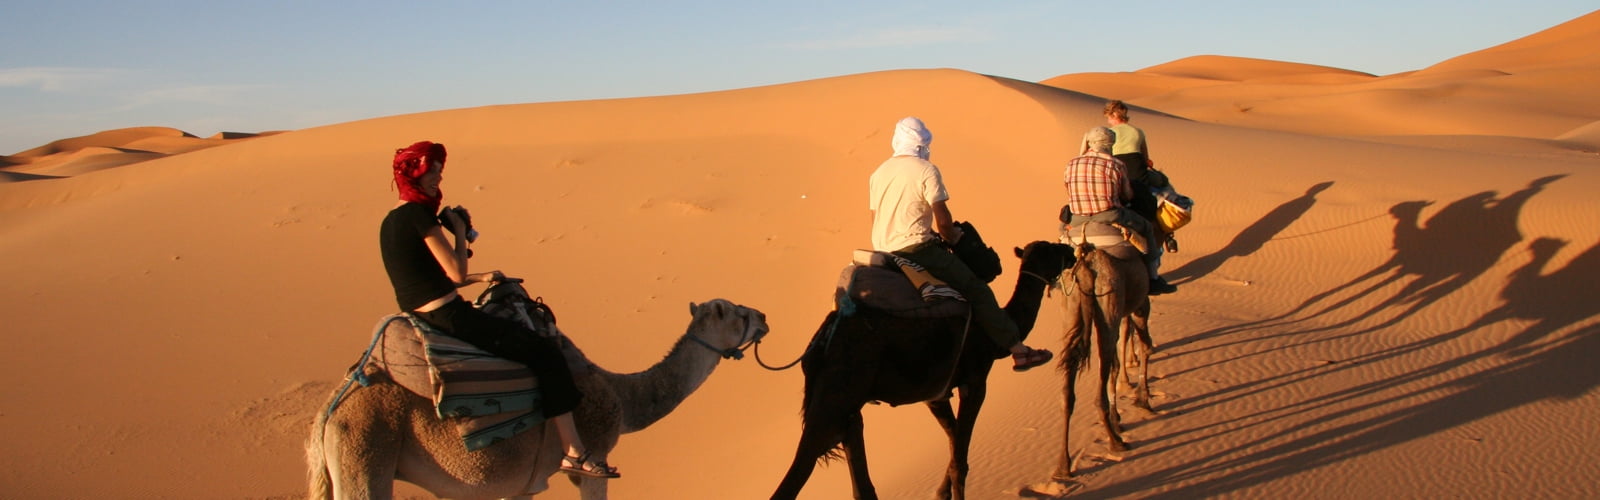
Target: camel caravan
462 416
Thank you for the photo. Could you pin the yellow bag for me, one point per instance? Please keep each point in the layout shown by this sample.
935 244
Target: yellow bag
1170 216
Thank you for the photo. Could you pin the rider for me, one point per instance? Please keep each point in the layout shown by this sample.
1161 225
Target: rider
1130 147
426 266
1098 191
910 218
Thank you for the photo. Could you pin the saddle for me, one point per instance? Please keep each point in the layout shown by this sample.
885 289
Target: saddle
885 282
488 398
1111 237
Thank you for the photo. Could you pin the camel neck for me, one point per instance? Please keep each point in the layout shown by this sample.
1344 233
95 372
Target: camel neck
651 394
1026 298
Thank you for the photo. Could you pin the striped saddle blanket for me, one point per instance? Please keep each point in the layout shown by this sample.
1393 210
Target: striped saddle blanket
488 398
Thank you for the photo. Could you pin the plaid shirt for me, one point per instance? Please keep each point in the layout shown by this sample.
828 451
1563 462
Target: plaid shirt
1096 183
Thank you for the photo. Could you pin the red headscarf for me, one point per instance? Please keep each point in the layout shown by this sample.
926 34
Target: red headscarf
410 164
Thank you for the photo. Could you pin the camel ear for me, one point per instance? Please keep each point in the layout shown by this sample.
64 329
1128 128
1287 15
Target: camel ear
694 309
1018 250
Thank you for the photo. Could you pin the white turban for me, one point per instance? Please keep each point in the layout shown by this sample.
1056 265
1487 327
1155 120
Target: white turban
911 138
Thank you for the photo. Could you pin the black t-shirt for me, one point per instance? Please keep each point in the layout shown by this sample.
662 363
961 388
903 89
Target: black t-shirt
417 276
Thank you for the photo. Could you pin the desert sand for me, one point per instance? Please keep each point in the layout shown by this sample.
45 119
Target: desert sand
1386 291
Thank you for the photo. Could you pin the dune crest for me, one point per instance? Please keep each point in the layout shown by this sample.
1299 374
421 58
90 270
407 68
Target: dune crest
108 149
1536 87
1241 69
1567 45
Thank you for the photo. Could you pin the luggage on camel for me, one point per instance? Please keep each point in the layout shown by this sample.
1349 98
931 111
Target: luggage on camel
1173 210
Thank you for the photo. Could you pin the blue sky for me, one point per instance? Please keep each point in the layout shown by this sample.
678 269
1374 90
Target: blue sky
71 67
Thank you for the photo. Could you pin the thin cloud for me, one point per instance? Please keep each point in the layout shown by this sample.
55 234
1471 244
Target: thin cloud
54 79
202 94
894 37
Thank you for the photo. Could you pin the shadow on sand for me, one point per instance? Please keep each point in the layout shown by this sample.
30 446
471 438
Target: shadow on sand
1251 238
1549 356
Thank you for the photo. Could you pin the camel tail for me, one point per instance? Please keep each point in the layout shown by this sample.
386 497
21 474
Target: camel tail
319 482
1089 313
812 359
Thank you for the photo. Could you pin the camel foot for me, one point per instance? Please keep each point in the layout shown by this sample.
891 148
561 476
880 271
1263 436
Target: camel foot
1118 445
1105 457
1054 488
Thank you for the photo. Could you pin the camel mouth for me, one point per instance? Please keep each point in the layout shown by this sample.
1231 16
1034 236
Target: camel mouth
755 325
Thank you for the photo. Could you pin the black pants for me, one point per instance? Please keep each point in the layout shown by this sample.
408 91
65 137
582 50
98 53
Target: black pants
508 339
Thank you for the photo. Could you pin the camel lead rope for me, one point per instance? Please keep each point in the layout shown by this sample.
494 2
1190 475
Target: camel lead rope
358 372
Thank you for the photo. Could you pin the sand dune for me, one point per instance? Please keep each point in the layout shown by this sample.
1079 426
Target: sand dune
1535 87
1367 308
111 148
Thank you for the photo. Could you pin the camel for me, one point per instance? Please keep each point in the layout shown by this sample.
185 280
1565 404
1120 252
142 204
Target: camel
1107 287
871 356
383 433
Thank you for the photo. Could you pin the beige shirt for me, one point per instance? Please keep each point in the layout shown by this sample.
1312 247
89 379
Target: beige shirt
901 194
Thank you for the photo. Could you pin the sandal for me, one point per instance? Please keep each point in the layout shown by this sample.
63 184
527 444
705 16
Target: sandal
1026 361
583 466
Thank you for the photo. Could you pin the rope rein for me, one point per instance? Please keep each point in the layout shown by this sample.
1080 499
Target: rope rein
358 371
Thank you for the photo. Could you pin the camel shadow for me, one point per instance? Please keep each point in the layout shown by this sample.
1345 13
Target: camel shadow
1249 240
1549 359
1458 244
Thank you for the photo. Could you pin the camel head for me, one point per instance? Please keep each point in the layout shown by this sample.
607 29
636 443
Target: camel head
1045 260
725 327
1408 210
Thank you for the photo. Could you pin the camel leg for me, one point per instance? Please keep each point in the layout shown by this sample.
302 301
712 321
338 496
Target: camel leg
364 457
821 431
855 449
1108 365
1075 352
1139 338
1069 395
814 442
1124 373
945 414
959 429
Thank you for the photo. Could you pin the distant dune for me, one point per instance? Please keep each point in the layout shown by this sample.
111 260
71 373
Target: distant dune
1385 292
1537 87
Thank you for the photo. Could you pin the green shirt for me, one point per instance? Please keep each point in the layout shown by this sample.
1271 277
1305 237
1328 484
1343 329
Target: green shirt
1129 140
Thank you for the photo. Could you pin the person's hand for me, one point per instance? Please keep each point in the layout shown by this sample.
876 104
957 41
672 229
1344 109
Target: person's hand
955 234
492 277
457 226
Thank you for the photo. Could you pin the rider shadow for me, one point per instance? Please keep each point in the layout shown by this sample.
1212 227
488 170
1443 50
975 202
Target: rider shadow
1251 238
1549 359
1548 302
1458 244
1461 242
1543 364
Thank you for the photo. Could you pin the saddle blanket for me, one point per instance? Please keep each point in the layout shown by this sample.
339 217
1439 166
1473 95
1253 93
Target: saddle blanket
1101 235
487 397
883 281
